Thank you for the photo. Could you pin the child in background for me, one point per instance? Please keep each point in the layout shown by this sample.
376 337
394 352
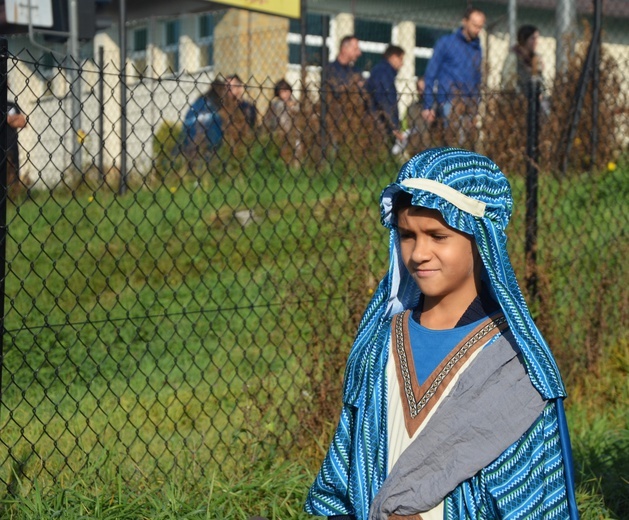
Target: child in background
452 402
282 108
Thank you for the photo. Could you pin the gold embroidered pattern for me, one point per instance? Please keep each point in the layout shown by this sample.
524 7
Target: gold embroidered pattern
415 406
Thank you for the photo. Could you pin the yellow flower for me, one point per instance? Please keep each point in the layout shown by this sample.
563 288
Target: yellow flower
611 166
370 291
80 136
173 189
90 199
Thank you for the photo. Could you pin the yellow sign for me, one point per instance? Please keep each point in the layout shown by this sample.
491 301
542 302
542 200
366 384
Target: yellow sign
289 8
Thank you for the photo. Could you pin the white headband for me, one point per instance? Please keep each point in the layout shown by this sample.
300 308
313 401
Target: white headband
463 202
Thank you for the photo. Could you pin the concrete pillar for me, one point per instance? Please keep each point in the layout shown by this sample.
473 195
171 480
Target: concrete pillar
512 15
565 32
189 52
340 26
252 45
156 57
112 144
404 36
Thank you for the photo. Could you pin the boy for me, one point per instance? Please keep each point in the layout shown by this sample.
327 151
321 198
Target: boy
452 402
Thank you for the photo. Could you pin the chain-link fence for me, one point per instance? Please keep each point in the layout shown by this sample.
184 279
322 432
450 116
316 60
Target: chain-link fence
190 307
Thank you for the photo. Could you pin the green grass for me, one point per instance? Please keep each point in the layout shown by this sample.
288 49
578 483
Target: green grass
154 328
152 336
273 491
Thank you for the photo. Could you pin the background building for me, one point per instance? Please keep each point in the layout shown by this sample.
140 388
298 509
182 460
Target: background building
175 49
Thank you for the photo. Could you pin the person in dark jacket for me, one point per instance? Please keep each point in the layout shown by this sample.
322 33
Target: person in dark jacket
382 91
453 76
342 73
236 90
523 62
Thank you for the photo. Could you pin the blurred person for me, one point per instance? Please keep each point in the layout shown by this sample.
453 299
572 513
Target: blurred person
453 76
342 71
523 62
522 70
383 95
203 125
452 401
236 91
16 120
418 127
280 121
343 96
282 108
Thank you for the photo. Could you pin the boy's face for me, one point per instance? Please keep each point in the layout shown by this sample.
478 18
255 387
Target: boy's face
444 262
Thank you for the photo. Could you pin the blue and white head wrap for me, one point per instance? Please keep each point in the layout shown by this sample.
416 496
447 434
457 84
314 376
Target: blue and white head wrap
474 197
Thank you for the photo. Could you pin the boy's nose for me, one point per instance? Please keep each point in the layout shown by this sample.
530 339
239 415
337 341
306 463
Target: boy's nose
421 251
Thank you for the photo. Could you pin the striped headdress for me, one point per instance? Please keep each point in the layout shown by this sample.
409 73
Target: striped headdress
474 197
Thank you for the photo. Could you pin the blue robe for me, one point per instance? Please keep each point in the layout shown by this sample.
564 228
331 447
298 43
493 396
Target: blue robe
533 478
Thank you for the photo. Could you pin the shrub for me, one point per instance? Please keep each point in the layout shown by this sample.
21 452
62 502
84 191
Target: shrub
167 140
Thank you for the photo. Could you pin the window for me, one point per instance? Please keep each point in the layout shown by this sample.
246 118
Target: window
374 38
205 39
47 64
171 45
425 40
428 36
314 40
314 25
139 43
372 31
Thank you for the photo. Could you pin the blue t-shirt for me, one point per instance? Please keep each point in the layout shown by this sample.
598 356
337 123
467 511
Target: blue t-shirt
430 346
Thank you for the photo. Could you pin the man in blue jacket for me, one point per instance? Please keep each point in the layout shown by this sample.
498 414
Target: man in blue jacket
453 76
382 90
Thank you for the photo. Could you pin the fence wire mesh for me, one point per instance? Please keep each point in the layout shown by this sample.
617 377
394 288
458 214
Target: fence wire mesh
192 310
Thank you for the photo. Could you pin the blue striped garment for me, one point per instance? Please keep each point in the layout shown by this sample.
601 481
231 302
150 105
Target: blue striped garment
532 479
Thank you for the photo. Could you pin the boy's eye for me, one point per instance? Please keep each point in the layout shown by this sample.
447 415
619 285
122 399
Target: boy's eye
440 237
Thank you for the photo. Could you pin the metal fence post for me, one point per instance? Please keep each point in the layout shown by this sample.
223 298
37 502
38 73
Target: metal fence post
596 70
325 23
76 71
4 53
122 188
582 85
532 176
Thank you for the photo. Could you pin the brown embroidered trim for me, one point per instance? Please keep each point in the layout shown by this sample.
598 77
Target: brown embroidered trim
418 399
